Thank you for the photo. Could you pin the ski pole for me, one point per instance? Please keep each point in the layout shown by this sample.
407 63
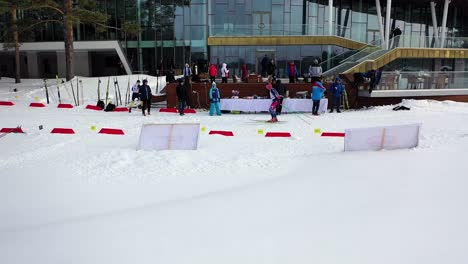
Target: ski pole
107 90
73 93
115 91
99 90
296 113
118 89
126 93
82 92
46 90
58 89
77 91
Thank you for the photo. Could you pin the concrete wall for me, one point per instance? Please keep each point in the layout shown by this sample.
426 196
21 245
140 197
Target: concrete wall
82 64
33 70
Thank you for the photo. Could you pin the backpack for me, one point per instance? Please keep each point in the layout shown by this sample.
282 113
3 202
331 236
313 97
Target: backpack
109 108
100 104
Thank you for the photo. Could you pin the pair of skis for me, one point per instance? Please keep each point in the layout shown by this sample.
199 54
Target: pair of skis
345 99
118 96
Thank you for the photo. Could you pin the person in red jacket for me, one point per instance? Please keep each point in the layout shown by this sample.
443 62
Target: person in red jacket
213 71
245 73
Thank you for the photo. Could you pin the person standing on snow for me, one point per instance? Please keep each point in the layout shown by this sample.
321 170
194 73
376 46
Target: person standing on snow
135 95
317 94
275 97
145 97
336 89
214 100
182 96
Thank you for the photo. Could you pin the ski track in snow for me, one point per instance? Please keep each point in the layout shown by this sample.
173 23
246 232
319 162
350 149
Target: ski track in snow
49 182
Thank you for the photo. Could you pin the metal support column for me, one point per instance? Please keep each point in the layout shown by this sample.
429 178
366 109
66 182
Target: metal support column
387 24
139 49
379 17
330 31
434 23
444 23
330 17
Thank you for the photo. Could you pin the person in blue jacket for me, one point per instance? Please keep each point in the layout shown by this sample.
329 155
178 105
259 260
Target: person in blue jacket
336 89
317 93
214 100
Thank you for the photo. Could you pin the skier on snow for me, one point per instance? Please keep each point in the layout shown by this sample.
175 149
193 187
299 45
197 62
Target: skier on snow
135 95
275 97
317 93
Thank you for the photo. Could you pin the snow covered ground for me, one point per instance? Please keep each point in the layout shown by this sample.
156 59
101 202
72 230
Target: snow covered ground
91 198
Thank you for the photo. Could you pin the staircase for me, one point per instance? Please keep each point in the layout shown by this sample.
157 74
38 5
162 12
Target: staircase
368 53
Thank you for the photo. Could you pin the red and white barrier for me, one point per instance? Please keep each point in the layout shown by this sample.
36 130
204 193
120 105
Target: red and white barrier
222 133
6 103
190 111
11 130
175 110
62 131
64 106
333 134
168 110
120 109
37 105
278 134
93 107
111 131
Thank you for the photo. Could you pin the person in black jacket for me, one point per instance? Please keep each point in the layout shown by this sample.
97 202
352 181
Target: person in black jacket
145 97
282 91
181 91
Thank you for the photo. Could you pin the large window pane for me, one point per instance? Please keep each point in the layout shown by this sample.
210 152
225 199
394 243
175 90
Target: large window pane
198 15
263 5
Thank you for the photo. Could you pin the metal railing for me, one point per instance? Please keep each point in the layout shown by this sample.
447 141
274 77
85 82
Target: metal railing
236 30
372 52
410 41
341 60
423 80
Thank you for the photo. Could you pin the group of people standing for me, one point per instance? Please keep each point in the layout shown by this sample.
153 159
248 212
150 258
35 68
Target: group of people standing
183 95
213 72
278 92
143 94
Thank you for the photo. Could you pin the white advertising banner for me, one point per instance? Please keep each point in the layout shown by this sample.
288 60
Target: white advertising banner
169 137
379 138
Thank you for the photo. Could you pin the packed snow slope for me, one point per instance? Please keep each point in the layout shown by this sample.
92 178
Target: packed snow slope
93 198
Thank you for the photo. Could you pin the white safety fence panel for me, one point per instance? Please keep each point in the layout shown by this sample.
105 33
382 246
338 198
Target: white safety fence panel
169 137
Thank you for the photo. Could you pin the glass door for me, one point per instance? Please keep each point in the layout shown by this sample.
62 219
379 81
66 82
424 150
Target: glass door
261 23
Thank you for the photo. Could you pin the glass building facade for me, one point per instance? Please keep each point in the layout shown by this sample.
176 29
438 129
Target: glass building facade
174 32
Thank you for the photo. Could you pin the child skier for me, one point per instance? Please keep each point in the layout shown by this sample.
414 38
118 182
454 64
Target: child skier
275 97
214 100
336 90
135 95
317 94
